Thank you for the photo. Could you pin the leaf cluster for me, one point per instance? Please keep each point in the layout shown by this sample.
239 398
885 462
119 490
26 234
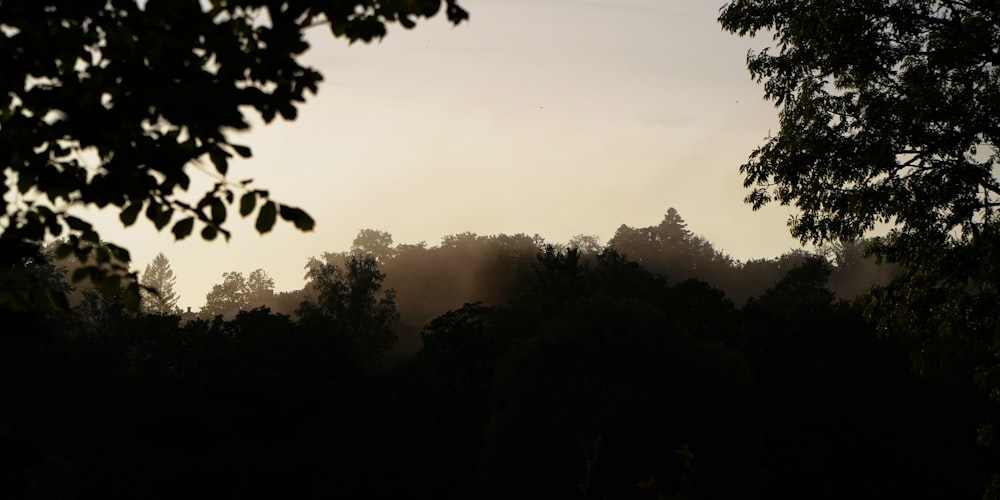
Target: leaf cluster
888 114
111 104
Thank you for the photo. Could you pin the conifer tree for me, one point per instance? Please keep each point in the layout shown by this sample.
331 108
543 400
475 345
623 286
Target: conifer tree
159 277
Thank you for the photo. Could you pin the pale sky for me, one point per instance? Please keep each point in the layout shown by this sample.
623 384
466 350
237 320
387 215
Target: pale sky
556 117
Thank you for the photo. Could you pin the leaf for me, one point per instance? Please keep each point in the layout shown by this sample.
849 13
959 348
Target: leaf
209 233
163 219
64 250
218 211
120 254
130 213
267 113
247 203
266 217
243 151
159 214
131 297
182 229
77 224
288 111
81 253
220 159
110 284
297 216
103 255
81 273
91 236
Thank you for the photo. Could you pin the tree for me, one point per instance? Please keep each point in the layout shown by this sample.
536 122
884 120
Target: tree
158 276
671 249
375 243
587 244
34 284
350 302
237 293
890 114
111 104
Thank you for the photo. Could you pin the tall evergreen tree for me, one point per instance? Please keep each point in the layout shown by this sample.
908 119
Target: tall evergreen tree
159 277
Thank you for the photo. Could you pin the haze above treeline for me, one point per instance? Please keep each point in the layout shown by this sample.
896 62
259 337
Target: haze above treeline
468 267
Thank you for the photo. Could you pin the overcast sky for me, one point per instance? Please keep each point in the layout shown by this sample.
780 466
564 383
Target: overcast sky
556 117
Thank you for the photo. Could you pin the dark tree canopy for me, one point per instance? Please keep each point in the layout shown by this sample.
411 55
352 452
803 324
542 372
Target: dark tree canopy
111 104
670 248
888 114
351 302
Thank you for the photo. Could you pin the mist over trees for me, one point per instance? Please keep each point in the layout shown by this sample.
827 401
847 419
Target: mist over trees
238 293
502 366
491 367
494 366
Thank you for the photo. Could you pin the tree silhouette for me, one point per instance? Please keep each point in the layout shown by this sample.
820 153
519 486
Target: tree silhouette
375 243
237 293
109 104
889 114
350 302
160 278
586 244
671 249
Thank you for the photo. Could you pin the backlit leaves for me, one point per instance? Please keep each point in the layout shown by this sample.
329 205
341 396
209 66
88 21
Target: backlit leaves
129 215
183 228
298 217
266 217
149 89
247 203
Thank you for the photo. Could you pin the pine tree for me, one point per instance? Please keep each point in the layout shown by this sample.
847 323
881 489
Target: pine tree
160 277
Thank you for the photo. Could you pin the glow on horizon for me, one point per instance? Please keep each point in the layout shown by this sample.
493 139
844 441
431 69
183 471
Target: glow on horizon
555 117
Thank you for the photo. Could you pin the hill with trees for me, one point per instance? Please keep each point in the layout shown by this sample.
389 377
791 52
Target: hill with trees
491 367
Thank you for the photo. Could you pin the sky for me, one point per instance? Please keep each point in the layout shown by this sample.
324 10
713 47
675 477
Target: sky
555 117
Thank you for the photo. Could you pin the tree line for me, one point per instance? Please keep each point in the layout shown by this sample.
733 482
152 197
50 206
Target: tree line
568 372
887 116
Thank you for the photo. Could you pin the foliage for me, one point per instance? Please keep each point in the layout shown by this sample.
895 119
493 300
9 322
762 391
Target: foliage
621 371
842 406
671 249
350 302
34 283
237 293
160 278
888 115
586 243
112 104
375 243
594 377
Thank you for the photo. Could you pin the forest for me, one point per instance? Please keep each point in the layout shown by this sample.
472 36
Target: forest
499 366
489 367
